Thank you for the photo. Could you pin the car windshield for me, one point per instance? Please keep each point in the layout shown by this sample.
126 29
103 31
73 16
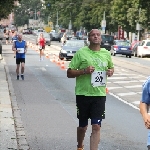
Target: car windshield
74 44
46 35
123 43
108 38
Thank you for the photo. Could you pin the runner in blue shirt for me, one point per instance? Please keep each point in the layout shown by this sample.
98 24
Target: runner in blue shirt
144 107
20 47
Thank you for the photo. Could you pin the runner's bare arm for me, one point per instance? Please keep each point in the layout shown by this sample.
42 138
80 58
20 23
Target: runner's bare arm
25 47
13 47
72 73
110 72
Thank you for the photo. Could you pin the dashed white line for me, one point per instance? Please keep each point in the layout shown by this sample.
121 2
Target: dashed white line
112 88
127 94
133 86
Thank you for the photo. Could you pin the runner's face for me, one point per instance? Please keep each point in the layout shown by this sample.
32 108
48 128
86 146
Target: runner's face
95 37
19 37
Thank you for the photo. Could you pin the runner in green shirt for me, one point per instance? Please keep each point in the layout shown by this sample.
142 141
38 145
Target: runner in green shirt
90 66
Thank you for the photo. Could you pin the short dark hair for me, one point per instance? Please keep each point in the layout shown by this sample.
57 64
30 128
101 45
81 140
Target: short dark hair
90 32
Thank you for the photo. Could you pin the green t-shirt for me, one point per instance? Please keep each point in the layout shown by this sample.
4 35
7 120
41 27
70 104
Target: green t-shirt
85 57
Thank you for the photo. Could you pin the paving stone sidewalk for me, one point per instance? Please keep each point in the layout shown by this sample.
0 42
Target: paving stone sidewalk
7 127
12 135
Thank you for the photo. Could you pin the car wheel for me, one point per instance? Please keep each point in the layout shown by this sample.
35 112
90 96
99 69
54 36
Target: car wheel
60 57
130 56
135 55
114 54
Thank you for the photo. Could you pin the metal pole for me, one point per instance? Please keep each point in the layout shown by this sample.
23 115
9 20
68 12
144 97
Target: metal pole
138 36
35 14
57 18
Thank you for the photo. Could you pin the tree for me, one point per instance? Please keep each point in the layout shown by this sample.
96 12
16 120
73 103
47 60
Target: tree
6 7
26 10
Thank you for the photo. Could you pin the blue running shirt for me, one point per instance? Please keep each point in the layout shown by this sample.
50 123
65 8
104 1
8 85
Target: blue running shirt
21 47
146 91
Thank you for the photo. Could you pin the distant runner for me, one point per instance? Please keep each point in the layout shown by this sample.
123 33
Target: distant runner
20 47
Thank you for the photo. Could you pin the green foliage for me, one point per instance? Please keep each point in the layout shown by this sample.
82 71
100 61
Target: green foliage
6 7
26 11
89 13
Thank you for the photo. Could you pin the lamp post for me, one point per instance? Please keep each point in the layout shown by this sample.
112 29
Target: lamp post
138 27
103 23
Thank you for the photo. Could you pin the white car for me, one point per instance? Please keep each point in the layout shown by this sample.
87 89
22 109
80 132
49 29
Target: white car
144 48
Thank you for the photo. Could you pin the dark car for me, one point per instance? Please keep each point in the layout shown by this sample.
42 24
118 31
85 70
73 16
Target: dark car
70 47
121 47
107 41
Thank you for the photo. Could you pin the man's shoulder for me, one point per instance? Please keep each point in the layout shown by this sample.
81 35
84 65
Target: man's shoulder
147 82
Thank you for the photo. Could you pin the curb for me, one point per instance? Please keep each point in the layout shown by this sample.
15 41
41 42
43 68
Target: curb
20 134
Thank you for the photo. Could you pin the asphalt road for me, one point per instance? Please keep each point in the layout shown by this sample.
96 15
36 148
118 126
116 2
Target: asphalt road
46 103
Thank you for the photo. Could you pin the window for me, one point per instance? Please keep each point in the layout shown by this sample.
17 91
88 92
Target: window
107 38
148 43
142 43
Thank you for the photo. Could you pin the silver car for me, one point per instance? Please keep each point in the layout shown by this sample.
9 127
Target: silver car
46 36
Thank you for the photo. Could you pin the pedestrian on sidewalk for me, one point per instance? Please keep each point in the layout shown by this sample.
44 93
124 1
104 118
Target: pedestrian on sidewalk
64 39
41 42
90 66
6 35
20 48
145 107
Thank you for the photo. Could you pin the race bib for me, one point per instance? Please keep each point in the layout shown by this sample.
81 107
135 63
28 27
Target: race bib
40 47
20 50
98 78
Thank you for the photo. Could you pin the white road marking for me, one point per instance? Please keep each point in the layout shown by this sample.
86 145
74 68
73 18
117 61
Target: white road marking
128 81
122 100
125 74
111 88
127 94
139 92
113 78
43 69
133 86
124 70
136 102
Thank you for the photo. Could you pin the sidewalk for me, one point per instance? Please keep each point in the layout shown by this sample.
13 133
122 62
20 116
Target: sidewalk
7 128
12 134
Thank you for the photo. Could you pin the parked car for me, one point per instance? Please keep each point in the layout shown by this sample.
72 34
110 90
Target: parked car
134 49
70 47
121 47
46 36
60 36
69 35
40 30
107 41
144 48
25 31
55 36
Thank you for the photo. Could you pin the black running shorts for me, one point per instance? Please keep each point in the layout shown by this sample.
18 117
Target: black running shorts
20 60
92 107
